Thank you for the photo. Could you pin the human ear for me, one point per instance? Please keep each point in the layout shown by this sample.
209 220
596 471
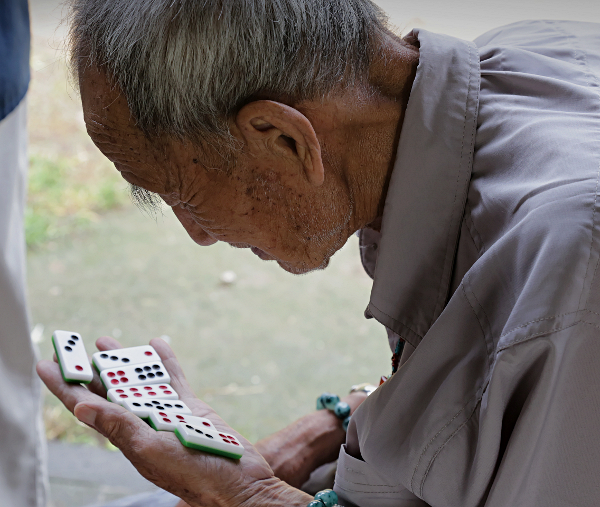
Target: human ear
281 129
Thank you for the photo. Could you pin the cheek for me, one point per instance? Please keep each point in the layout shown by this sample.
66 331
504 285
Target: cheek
319 225
319 215
195 232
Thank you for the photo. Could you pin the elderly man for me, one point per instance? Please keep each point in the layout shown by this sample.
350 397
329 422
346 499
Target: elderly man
471 170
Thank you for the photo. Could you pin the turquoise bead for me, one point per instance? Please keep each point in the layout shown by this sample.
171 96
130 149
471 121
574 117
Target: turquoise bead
342 409
320 405
315 503
330 400
328 497
346 423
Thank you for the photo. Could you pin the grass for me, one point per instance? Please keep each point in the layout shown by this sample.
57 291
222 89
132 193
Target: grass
60 202
70 183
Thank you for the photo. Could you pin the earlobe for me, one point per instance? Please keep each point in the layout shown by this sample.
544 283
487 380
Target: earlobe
275 126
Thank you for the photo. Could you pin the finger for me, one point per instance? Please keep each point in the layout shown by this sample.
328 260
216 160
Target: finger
139 443
110 419
103 343
178 380
121 427
181 386
107 343
69 394
96 386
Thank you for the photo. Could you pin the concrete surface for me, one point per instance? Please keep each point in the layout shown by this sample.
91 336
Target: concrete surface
81 475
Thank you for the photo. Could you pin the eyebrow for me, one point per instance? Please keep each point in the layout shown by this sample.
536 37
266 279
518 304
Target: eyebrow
145 200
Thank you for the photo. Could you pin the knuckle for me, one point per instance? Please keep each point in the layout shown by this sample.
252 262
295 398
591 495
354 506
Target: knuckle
112 429
130 438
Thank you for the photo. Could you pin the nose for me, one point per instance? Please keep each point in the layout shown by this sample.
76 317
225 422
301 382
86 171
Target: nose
197 233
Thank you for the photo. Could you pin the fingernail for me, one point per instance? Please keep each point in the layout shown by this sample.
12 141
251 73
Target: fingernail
85 414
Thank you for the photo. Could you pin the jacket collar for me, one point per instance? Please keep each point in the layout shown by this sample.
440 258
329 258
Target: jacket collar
426 197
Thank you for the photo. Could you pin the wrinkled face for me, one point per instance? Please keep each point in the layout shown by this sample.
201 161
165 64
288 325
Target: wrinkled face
263 202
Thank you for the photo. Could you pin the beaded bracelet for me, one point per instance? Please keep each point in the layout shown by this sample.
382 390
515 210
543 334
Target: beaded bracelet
325 498
332 403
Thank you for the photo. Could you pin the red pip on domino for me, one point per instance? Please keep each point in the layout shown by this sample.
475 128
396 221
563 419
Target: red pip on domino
72 357
107 359
158 391
136 375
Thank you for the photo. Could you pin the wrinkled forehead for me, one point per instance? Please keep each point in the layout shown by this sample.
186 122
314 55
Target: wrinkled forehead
113 130
104 106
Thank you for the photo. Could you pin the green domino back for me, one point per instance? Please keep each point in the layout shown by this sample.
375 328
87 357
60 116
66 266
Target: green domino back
68 380
210 450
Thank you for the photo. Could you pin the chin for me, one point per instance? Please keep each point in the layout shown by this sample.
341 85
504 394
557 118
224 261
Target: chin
302 268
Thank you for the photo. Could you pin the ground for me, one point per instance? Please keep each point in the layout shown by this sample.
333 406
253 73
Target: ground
259 349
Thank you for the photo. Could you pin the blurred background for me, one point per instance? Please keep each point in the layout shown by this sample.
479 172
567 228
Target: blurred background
256 343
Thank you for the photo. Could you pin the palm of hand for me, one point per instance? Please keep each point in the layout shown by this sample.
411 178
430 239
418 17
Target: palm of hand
201 479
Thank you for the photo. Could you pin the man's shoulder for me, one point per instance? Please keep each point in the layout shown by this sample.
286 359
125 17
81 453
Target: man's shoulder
541 270
534 32
526 58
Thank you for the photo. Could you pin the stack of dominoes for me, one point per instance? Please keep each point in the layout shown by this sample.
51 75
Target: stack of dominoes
136 379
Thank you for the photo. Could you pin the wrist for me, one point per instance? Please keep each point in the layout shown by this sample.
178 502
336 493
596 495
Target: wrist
342 409
295 451
325 433
274 493
311 441
355 399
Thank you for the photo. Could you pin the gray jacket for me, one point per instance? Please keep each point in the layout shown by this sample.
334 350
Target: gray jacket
487 268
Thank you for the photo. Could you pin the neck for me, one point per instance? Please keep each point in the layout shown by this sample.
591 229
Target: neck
360 129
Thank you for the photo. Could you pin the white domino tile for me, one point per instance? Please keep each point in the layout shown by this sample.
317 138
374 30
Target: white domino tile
158 391
142 407
72 357
107 359
162 420
136 375
203 439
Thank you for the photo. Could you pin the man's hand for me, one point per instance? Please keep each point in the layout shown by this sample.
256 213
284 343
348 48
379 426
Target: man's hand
200 479
303 446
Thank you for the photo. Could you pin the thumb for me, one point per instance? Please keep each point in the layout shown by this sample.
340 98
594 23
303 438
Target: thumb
120 426
85 414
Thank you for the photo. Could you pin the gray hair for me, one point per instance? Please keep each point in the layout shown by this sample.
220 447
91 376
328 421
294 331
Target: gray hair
187 66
